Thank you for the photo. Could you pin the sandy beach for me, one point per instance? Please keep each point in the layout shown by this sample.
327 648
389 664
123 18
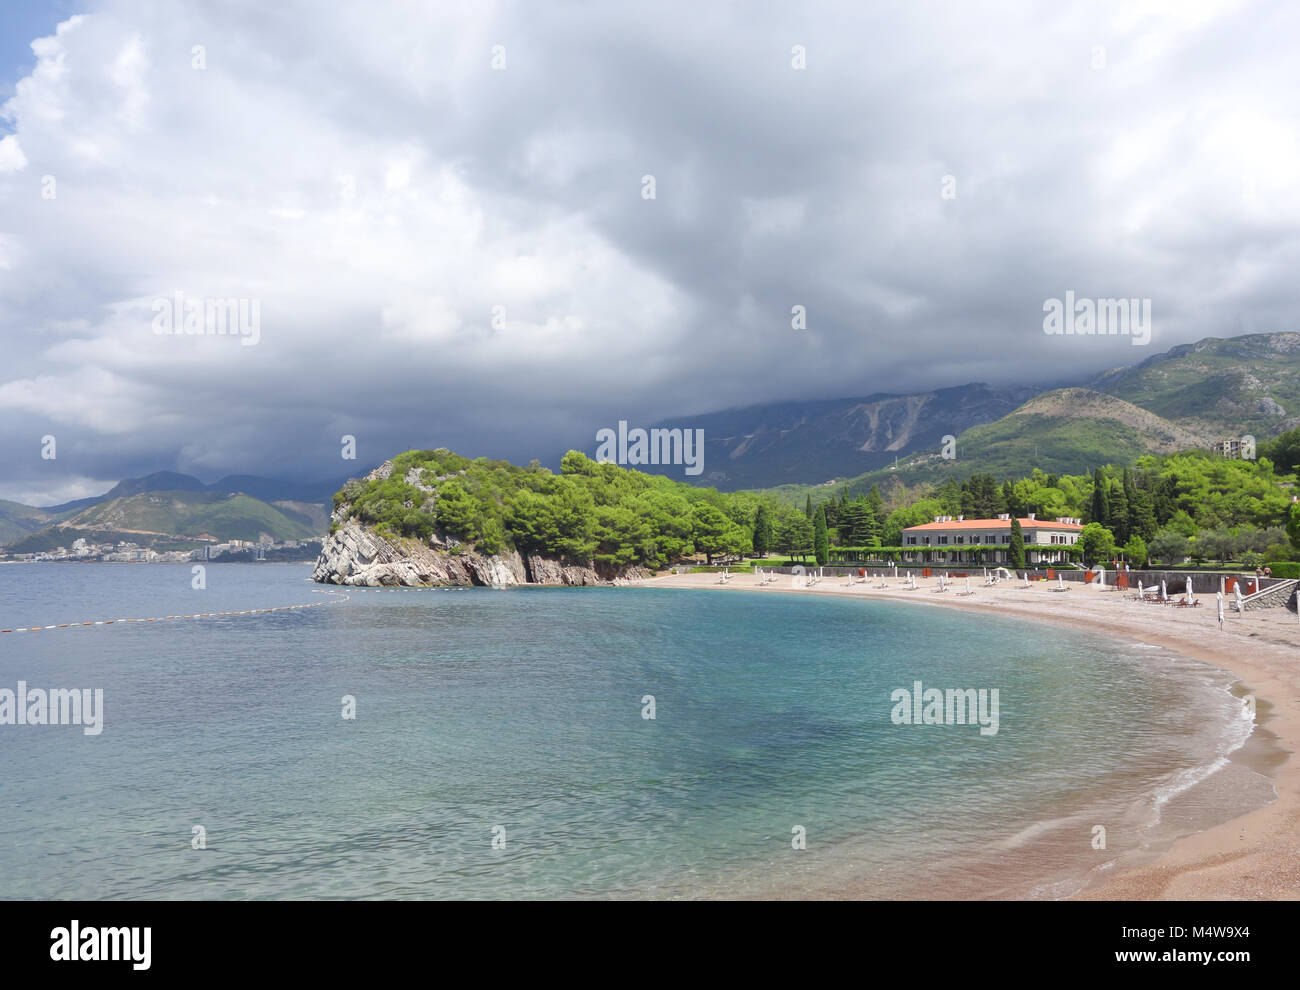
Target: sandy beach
1255 856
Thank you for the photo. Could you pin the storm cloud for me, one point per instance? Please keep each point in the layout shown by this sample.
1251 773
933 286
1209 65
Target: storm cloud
442 212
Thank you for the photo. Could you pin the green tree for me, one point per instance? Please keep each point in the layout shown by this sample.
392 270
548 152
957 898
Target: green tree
1136 550
807 507
794 535
821 543
1016 554
456 511
1217 544
1119 511
876 503
1142 515
1183 523
1169 546
859 527
710 531
919 512
1284 451
763 535
1099 510
1097 543
1293 525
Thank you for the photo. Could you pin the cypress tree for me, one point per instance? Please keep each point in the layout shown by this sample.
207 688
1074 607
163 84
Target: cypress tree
1120 523
821 542
1017 551
762 531
1099 511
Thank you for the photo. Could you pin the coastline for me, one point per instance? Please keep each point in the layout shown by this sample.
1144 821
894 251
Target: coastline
1252 856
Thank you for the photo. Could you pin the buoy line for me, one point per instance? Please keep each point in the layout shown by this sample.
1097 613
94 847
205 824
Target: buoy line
197 615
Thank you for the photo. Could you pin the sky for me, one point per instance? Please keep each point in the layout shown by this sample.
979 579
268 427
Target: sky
499 227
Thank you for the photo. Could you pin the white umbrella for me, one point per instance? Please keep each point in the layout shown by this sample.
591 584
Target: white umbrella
1060 582
1189 589
968 586
1218 595
1240 602
1164 596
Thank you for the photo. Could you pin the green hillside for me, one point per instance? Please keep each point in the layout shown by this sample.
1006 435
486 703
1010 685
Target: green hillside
590 512
1065 431
17 520
1221 386
150 517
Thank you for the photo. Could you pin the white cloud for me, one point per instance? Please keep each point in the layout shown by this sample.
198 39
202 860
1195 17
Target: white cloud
12 158
371 180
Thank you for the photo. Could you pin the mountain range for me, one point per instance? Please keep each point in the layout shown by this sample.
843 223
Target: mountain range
167 506
1189 396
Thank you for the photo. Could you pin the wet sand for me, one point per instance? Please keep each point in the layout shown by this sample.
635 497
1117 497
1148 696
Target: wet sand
1255 856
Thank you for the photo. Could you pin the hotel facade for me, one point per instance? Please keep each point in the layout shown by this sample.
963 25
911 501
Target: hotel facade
957 540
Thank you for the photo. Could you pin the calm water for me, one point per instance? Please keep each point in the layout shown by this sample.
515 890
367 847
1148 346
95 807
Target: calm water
523 710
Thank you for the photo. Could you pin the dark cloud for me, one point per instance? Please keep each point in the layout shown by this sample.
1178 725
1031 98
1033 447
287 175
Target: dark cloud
379 188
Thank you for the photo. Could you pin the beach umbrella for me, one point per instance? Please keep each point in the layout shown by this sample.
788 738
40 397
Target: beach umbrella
1241 605
1140 592
1218 595
1189 589
1164 595
1060 582
968 586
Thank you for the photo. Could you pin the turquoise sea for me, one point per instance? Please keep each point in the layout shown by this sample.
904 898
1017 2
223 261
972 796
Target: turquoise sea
500 748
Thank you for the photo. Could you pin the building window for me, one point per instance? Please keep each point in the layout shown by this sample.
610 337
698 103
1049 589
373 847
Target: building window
943 541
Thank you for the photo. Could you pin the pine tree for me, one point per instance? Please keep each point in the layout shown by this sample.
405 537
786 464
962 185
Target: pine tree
807 508
876 502
1009 499
859 526
949 496
1142 515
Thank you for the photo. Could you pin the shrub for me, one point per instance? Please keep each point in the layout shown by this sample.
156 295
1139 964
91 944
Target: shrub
1285 568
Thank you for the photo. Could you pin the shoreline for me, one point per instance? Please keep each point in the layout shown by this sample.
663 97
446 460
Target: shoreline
1254 855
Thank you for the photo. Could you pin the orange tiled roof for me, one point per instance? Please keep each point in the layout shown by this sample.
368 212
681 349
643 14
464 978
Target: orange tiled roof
1025 523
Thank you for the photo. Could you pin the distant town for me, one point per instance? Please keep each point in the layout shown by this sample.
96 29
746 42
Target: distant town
233 551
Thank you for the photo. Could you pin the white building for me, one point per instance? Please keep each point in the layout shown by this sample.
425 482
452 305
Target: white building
957 540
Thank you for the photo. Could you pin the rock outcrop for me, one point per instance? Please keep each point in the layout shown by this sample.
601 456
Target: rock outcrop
356 555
